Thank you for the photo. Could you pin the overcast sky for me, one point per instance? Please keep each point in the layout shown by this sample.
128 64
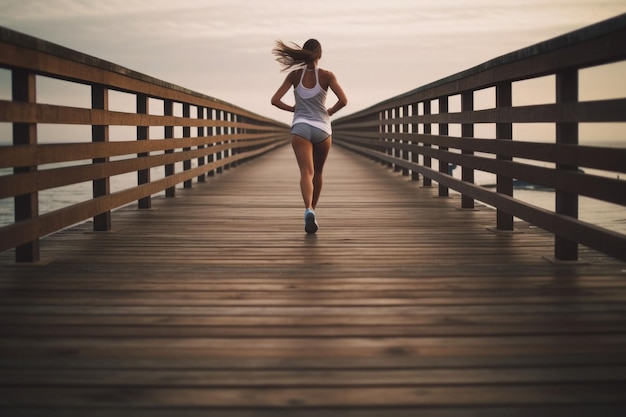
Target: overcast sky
376 48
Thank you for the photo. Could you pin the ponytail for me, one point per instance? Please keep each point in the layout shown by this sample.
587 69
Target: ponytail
296 56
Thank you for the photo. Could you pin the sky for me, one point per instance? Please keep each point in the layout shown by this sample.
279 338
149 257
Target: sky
377 49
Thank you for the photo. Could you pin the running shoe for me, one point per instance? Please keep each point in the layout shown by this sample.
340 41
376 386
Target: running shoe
310 224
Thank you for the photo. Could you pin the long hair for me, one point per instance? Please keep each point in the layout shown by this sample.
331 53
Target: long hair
296 56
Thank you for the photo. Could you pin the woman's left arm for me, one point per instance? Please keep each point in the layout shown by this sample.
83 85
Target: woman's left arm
342 100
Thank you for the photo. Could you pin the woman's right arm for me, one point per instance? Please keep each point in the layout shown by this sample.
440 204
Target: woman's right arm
277 98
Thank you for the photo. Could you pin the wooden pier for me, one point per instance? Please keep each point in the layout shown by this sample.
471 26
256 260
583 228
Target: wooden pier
195 291
216 303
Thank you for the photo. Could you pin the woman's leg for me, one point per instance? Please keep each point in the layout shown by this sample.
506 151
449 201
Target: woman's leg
304 155
320 153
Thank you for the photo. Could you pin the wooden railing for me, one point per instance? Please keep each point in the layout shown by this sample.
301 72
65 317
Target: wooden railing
399 133
215 136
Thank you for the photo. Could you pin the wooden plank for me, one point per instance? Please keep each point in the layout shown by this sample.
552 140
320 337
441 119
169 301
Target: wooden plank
217 303
310 377
433 396
438 411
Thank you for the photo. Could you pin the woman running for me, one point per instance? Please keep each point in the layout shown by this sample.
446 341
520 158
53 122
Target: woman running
310 130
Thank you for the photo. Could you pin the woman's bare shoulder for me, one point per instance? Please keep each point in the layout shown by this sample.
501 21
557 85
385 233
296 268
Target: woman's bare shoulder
326 73
325 77
294 76
291 77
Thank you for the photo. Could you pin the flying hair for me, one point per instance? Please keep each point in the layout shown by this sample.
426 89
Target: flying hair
291 56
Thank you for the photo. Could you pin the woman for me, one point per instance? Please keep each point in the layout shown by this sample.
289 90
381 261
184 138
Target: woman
311 131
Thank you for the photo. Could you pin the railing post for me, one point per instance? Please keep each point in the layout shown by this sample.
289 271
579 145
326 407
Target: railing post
168 110
143 175
227 131
566 133
467 131
220 130
415 176
211 132
235 132
23 89
504 131
395 128
186 135
388 129
405 130
381 135
444 167
427 131
100 133
201 159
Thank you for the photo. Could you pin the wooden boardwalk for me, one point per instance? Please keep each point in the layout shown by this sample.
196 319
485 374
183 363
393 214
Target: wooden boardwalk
216 303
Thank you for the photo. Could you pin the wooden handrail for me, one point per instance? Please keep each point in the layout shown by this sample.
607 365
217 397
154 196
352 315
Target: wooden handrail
398 133
225 135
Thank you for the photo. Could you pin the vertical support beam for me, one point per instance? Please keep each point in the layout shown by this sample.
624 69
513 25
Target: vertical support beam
444 167
415 176
235 132
100 133
375 128
211 132
23 89
388 129
397 153
186 135
379 130
467 131
168 110
227 131
201 159
566 133
143 175
220 130
427 131
405 130
504 131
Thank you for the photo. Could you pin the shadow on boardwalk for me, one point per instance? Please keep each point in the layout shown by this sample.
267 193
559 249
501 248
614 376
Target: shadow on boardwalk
216 303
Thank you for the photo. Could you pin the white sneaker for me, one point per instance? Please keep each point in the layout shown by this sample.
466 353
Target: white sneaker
310 224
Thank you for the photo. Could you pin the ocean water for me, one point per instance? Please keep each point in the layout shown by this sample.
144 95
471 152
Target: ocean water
603 214
606 215
600 213
58 198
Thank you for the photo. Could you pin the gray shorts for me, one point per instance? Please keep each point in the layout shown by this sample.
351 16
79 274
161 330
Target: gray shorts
310 133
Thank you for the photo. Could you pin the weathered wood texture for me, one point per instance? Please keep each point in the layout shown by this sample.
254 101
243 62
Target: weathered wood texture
224 135
216 303
398 132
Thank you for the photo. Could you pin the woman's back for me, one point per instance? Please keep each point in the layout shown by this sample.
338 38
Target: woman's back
309 79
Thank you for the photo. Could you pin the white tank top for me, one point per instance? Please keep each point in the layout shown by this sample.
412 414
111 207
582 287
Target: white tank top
311 105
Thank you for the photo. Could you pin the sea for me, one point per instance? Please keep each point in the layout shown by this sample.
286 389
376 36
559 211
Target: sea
606 215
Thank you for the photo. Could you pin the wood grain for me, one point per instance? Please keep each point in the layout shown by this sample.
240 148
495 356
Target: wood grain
216 303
